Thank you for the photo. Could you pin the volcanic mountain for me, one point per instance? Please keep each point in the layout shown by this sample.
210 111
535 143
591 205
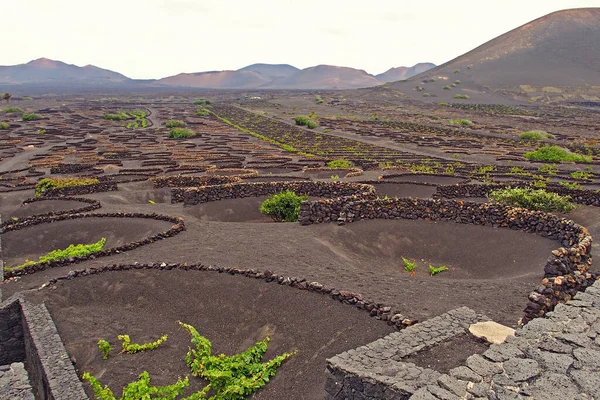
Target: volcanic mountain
400 73
44 70
550 56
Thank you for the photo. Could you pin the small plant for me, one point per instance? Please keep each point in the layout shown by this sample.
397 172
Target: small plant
426 95
13 110
461 96
175 124
319 100
533 135
57 183
555 154
202 112
340 164
31 117
181 133
202 101
442 104
409 266
464 122
436 270
532 199
142 390
120 116
334 177
312 124
4 125
303 120
583 176
570 185
447 87
132 348
74 250
549 169
456 71
104 348
283 207
41 131
151 202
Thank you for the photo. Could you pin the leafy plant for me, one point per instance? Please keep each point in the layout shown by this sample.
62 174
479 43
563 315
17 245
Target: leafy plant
532 199
464 122
202 101
181 133
570 185
56 183
584 176
436 270
409 266
533 135
202 112
283 207
4 125
311 124
461 96
120 116
74 250
555 154
41 131
232 377
104 348
31 117
140 389
132 348
549 169
340 164
13 110
303 120
334 177
174 123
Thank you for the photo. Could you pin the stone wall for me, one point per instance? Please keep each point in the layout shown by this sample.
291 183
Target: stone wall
12 348
192 181
192 196
579 196
566 271
379 370
107 186
178 227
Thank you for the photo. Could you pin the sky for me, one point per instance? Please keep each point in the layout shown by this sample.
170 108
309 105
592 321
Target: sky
145 39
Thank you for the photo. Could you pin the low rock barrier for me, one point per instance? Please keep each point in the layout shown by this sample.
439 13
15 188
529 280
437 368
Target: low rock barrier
566 271
192 181
192 196
178 227
107 186
579 196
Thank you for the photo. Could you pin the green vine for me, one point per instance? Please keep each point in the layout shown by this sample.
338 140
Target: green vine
132 348
104 348
229 377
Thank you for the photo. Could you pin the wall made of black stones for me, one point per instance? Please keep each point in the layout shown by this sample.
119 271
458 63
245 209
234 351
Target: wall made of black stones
192 181
566 271
108 186
12 348
579 196
192 196
178 227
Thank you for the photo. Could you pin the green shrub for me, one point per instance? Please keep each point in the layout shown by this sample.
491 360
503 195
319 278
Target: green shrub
549 169
74 250
56 183
174 123
532 199
284 206
447 87
555 154
31 117
301 120
426 95
132 348
570 185
533 135
181 133
464 122
141 389
104 348
409 266
202 101
120 116
319 100
457 82
442 104
584 176
340 164
311 124
456 71
202 112
461 96
4 125
436 270
13 110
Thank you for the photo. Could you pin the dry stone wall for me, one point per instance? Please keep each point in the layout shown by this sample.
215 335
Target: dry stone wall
566 271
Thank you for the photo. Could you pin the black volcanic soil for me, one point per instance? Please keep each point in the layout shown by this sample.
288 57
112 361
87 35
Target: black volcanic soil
232 311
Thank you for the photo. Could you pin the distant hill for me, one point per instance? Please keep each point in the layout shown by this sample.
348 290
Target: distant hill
274 72
555 57
400 73
44 70
328 77
217 80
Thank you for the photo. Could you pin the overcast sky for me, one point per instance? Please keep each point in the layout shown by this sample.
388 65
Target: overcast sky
158 38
